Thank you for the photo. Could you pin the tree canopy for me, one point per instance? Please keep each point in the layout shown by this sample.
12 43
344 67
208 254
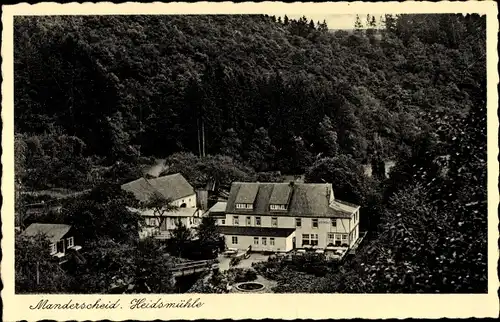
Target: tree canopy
148 84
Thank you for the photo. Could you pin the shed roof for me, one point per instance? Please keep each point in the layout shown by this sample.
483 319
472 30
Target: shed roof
218 210
219 207
256 231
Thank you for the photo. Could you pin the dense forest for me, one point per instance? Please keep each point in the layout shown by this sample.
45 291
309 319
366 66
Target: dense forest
241 97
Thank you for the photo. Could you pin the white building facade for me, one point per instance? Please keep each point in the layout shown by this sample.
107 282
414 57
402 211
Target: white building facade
178 192
282 217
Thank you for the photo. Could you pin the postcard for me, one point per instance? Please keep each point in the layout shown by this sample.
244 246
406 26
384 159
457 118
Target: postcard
249 160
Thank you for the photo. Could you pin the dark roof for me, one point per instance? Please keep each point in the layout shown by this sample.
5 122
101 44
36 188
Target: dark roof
141 189
281 194
173 187
256 231
247 193
54 232
307 200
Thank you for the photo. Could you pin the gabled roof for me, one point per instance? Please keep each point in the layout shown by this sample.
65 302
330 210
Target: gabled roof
141 189
54 232
307 200
173 187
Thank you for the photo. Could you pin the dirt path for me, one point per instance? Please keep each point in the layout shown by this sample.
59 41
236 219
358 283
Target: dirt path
157 168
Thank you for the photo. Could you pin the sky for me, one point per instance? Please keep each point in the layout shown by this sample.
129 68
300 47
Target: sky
335 21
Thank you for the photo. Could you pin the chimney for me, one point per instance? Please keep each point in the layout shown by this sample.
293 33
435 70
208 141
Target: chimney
202 199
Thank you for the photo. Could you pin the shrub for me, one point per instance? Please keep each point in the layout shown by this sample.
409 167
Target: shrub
310 263
240 275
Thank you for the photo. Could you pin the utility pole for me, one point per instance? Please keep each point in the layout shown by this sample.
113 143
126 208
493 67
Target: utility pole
37 273
199 139
203 135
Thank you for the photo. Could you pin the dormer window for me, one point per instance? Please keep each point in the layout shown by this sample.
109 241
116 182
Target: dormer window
246 195
278 207
244 206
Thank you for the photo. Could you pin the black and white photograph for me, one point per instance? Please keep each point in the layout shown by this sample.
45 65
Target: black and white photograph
252 153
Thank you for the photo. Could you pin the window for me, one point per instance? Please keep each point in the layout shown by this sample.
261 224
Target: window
223 221
278 207
249 221
334 222
344 237
71 242
271 241
256 240
244 206
315 223
234 240
264 241
274 221
311 239
298 222
314 239
257 221
53 248
236 220
305 239
330 238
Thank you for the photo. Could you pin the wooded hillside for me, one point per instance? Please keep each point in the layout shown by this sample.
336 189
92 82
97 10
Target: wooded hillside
119 85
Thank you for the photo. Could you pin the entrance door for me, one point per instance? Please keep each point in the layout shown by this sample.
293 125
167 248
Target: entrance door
163 226
294 242
60 246
338 239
